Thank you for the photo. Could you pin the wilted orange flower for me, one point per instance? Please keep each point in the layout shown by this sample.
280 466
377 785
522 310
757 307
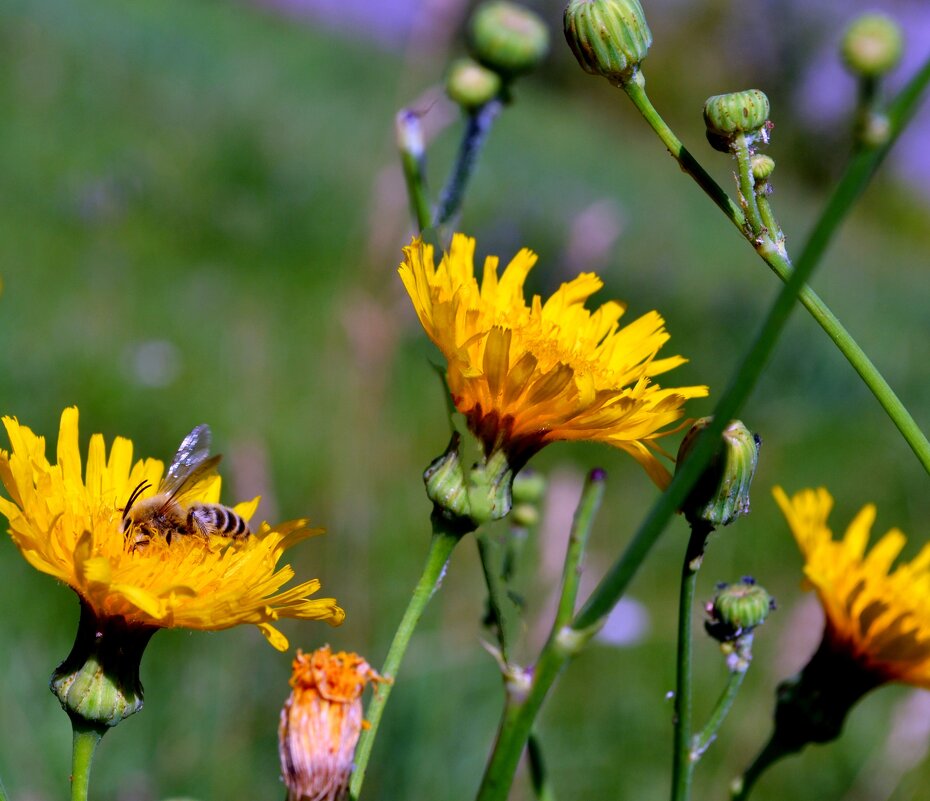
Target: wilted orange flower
66 519
526 375
321 722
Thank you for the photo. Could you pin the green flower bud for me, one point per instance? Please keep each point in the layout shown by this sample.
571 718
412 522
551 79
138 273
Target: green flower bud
872 45
470 496
524 515
722 493
529 486
471 85
737 609
727 116
762 167
508 38
608 37
98 684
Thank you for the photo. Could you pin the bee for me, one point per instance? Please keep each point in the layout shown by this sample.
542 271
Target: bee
170 513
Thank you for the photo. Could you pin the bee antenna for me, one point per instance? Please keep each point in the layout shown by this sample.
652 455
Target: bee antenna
134 496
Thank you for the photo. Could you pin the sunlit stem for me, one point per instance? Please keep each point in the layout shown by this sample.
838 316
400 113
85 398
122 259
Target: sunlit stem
682 766
410 142
735 678
747 188
854 180
521 708
477 127
445 537
83 745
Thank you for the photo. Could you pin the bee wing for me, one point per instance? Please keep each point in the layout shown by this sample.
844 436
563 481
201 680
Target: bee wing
191 463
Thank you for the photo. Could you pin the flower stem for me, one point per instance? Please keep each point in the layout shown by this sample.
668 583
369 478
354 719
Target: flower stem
747 188
83 744
444 540
682 766
706 736
854 180
773 751
500 606
3 793
476 132
412 157
520 709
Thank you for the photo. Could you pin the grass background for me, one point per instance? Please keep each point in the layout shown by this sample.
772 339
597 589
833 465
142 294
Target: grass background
201 218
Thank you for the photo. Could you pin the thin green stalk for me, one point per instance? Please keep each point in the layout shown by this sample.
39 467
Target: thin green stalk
591 498
518 717
682 766
477 128
3 794
747 185
412 157
706 736
740 789
443 541
83 745
851 185
539 777
499 605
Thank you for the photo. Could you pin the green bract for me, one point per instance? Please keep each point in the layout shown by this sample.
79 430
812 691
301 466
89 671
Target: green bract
608 37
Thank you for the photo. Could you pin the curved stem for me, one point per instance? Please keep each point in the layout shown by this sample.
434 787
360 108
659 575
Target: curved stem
772 752
851 185
83 745
412 157
706 736
747 185
682 766
499 605
477 128
443 541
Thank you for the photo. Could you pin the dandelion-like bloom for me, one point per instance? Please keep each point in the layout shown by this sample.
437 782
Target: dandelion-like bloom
526 375
321 722
876 616
66 522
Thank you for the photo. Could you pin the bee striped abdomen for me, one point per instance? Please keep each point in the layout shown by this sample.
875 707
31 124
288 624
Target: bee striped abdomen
217 519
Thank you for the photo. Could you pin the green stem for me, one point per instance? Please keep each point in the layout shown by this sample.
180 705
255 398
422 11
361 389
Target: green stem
772 752
591 498
443 541
3 793
477 128
851 185
539 778
518 718
83 744
412 157
520 709
737 673
747 185
682 766
499 605
772 227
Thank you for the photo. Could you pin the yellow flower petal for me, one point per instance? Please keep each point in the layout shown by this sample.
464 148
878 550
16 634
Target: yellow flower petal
69 526
525 375
877 613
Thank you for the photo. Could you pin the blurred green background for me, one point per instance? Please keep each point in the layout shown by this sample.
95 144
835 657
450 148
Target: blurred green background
201 216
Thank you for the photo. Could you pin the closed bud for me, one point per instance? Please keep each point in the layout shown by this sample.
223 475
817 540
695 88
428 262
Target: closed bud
471 85
762 167
736 113
872 45
608 37
529 486
508 38
98 684
722 492
737 609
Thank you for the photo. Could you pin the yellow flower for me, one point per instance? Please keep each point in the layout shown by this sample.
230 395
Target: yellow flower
67 523
877 616
321 722
526 375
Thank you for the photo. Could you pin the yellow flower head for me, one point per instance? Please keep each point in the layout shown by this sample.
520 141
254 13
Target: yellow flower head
526 375
321 722
67 522
876 615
